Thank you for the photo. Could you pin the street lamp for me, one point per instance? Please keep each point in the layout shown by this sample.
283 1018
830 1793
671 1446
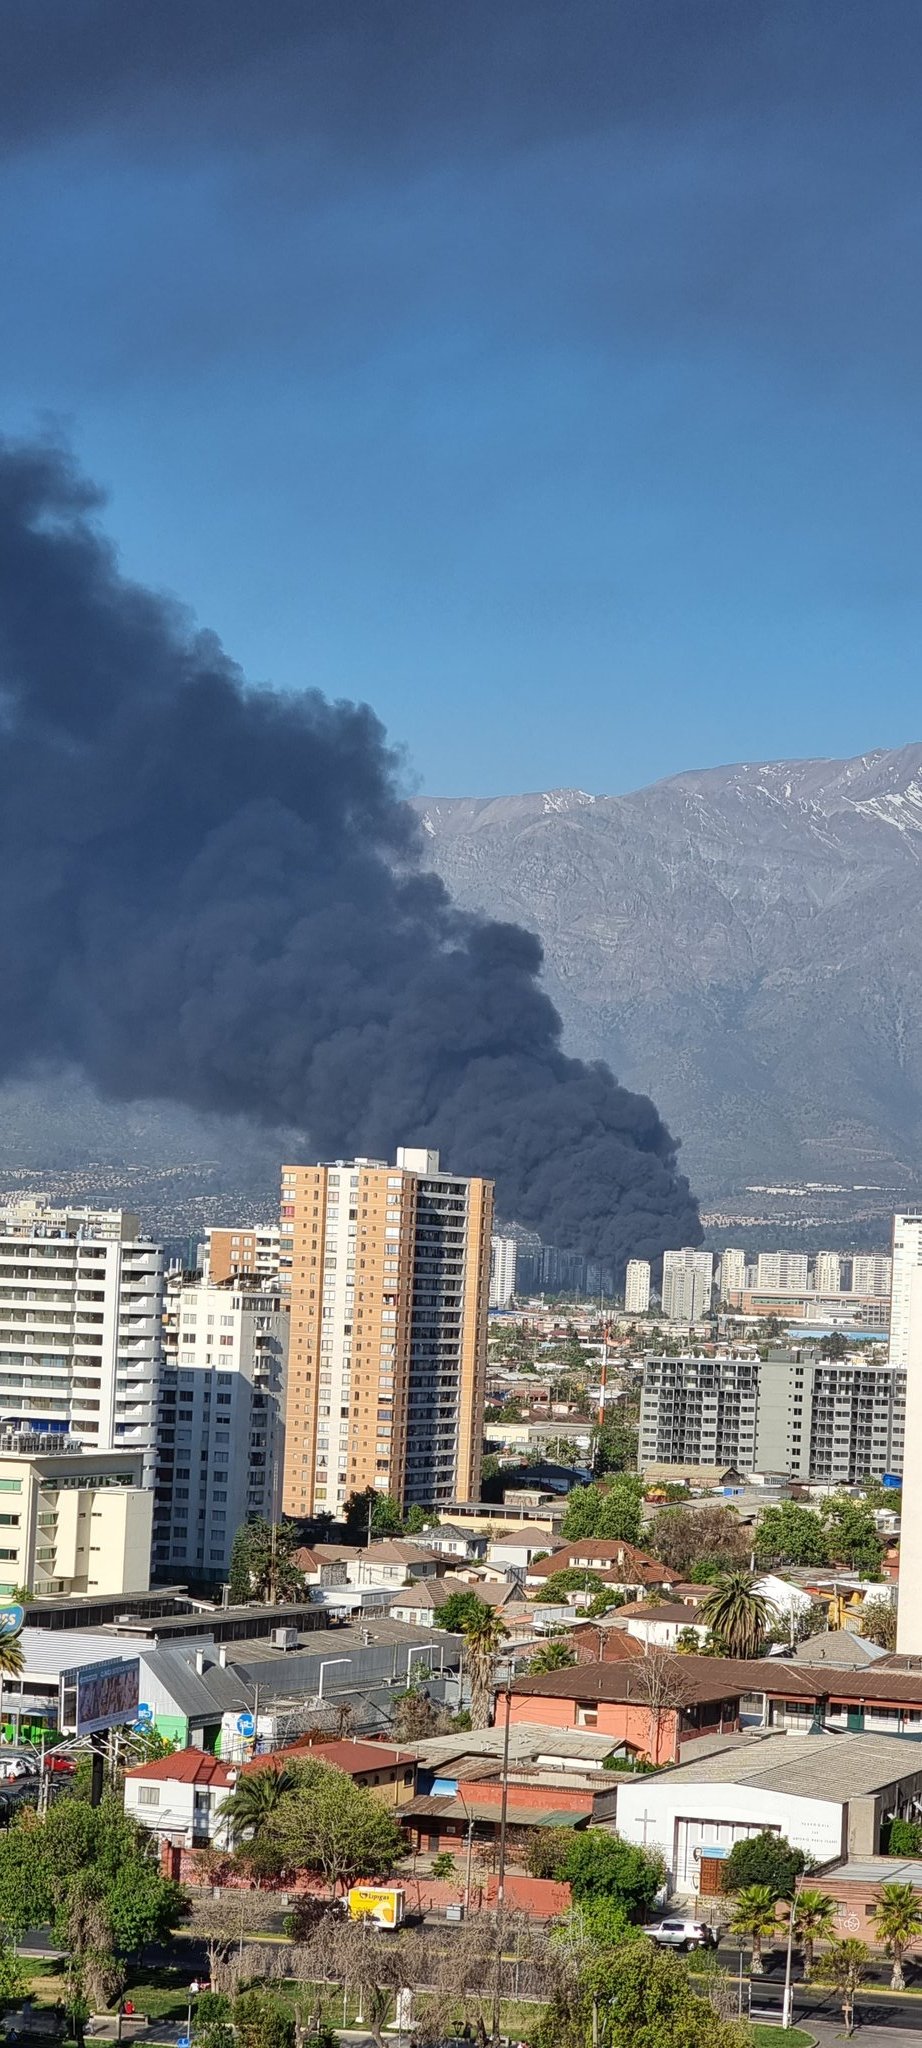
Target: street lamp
787 2002
325 1665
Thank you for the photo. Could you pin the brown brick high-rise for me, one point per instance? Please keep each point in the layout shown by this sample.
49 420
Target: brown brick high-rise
389 1272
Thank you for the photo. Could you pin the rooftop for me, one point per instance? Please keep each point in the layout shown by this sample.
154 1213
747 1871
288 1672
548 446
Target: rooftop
696 1679
344 1756
826 1766
187 1767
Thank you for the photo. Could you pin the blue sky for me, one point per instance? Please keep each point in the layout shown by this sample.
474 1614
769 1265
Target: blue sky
546 374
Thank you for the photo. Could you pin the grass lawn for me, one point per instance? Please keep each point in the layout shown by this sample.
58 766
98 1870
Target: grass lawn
769 2037
159 1994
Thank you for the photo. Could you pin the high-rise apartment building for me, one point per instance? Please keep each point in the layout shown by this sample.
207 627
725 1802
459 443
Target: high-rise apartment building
731 1273
249 1251
827 1273
792 1412
688 1277
74 1520
389 1286
871 1273
220 1433
637 1287
782 1270
503 1251
906 1352
81 1303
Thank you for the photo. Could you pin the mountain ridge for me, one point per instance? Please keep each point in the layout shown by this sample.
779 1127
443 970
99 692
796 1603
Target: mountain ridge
743 942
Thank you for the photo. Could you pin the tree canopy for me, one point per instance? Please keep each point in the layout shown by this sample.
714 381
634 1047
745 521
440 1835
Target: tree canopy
765 1859
612 1509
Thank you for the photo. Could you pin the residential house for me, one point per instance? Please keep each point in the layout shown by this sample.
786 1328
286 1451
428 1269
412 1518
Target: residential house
656 1705
615 1563
389 1773
661 1622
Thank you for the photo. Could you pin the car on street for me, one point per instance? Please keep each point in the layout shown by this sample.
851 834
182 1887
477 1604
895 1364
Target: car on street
682 1934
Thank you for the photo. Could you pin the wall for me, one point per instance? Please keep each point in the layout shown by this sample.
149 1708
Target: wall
648 1812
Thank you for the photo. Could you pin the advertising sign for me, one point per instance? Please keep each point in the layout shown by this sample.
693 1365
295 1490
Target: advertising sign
11 1620
97 1696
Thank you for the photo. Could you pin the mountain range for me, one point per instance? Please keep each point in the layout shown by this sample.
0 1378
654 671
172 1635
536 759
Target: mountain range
743 943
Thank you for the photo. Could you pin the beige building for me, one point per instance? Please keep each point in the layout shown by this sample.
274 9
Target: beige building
247 1250
72 1520
389 1272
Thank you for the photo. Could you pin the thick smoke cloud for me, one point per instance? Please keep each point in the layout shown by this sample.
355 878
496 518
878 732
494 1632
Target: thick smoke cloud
211 894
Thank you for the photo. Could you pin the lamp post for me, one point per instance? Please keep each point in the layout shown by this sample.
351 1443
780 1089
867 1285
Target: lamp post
787 2002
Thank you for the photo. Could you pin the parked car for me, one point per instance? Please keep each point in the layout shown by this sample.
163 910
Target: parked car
682 1934
54 1762
16 1767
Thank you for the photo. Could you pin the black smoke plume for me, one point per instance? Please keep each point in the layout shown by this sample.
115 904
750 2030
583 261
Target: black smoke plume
211 893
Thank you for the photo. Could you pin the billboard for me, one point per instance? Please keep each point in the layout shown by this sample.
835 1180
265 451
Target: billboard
97 1696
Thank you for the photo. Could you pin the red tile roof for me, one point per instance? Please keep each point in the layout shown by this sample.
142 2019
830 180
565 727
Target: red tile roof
352 1757
187 1767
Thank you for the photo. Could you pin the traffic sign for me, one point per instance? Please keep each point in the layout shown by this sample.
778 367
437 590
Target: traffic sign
245 1726
145 1715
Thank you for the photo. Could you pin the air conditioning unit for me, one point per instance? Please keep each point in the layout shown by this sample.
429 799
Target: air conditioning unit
285 1638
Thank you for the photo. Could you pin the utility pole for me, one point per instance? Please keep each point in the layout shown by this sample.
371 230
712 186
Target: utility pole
501 1875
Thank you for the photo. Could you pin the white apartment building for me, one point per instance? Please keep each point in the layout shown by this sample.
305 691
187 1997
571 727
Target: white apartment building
637 1287
688 1277
827 1273
220 1434
503 1252
731 1272
793 1412
906 1352
72 1520
81 1305
871 1273
782 1270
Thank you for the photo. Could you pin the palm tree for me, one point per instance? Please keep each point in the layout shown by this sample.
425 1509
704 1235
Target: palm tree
898 1921
256 1800
843 1966
737 1613
11 1657
483 1634
755 1919
814 1920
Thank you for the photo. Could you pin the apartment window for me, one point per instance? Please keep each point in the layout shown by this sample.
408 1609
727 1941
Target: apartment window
148 1795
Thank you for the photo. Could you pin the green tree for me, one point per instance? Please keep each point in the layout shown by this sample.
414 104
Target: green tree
833 1346
613 1510
766 1859
790 1534
262 2021
738 1614
262 1565
12 1658
844 1966
444 1866
483 1633
418 1518
339 1829
606 1598
878 1623
386 1518
898 1923
633 1995
553 1656
755 1920
904 1838
238 1578
256 1800
814 1920
459 1610
143 1907
599 1865
851 1535
615 1447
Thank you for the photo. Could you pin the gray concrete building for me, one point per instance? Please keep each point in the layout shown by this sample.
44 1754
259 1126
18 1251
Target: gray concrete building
793 1412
